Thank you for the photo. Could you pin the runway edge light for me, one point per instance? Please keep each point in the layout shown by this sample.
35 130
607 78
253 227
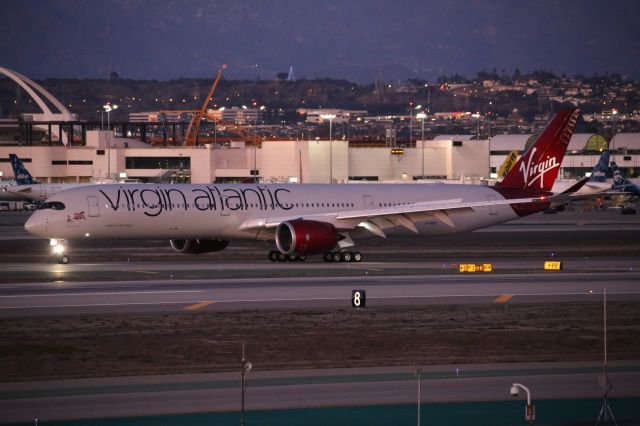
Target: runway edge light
552 265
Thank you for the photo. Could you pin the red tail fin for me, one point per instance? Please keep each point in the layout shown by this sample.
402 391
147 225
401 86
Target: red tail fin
539 166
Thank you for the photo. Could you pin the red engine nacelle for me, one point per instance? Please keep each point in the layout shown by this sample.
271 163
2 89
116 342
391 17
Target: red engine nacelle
303 237
198 246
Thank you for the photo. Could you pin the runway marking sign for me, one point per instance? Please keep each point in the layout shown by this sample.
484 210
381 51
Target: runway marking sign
475 267
358 299
503 298
198 305
552 265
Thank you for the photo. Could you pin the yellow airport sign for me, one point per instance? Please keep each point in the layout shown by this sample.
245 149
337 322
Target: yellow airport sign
476 267
553 265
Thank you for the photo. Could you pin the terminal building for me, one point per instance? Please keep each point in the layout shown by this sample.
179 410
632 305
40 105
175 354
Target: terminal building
309 161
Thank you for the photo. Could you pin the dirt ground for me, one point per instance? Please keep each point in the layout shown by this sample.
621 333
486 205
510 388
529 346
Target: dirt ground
95 345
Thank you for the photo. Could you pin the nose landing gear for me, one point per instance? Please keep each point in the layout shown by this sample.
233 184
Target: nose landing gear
59 250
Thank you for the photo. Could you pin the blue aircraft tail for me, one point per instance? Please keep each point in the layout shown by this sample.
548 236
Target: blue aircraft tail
23 177
599 173
621 183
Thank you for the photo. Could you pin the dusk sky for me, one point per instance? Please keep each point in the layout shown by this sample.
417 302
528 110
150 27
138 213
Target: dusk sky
359 40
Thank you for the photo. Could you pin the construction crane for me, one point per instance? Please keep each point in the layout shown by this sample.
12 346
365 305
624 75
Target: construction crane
191 137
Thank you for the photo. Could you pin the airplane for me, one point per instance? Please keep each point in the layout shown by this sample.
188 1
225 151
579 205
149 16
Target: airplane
9 196
303 219
28 188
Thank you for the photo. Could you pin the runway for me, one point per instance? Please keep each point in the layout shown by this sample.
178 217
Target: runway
598 251
59 298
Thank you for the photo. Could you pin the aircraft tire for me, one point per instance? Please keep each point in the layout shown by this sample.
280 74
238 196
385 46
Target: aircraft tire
64 259
273 256
336 256
327 257
357 256
282 257
347 256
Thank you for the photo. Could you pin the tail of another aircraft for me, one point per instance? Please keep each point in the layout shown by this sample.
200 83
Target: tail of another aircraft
23 177
619 181
599 173
508 163
539 166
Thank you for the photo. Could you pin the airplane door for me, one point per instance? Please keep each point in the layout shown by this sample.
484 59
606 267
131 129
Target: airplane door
367 201
94 211
493 210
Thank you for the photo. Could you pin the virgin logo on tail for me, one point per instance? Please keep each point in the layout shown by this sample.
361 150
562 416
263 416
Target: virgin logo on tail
539 166
538 170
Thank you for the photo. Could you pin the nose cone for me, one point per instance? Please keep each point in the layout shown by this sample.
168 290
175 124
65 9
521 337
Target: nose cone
36 225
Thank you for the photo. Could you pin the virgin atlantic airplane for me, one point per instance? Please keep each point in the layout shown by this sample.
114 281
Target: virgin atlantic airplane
302 219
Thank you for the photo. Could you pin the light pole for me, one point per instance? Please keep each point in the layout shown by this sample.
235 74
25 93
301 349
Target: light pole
614 112
330 117
419 376
530 412
108 107
255 142
246 367
477 117
421 116
417 108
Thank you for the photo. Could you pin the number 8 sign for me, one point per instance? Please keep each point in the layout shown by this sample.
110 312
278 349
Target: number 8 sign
358 299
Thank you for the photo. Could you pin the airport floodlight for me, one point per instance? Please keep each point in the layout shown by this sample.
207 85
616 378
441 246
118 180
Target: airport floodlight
330 117
418 107
421 116
244 107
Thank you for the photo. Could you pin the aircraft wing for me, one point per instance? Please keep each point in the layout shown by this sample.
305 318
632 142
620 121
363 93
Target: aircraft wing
376 219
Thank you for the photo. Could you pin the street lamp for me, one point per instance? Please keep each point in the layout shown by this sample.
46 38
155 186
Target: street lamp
417 108
255 142
108 108
330 117
614 112
477 117
419 376
246 367
530 412
421 116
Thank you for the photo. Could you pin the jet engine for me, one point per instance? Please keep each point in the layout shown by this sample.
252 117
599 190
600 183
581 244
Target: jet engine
303 237
198 246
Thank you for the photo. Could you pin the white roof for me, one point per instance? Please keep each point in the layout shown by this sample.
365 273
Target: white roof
508 142
579 141
626 140
453 137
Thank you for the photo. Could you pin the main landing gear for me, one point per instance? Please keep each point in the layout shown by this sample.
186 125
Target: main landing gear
276 256
342 256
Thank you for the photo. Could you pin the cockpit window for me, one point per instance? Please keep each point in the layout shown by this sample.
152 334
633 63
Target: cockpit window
55 205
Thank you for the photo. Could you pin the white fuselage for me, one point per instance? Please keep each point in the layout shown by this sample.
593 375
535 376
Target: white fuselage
238 212
40 191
